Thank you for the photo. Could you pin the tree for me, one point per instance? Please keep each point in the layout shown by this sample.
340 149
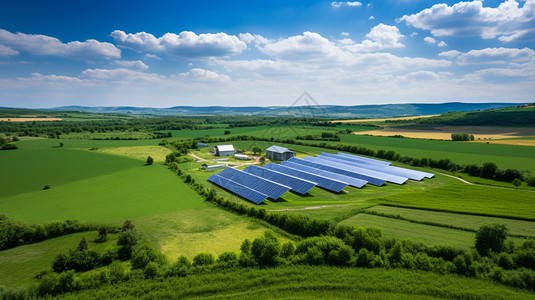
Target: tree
262 159
102 235
517 182
256 150
491 237
128 225
488 170
82 246
203 259
150 160
531 181
227 132
61 145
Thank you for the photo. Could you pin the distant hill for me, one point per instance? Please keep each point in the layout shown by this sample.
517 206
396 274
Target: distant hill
521 116
329 111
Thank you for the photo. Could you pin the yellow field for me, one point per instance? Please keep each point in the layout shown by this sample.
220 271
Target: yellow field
481 134
158 153
382 120
28 119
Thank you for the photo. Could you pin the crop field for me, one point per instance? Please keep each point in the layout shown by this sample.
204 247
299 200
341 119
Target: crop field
20 264
382 120
518 227
158 153
399 229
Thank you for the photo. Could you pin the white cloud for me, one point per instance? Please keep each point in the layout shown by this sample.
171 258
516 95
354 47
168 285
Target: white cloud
430 40
152 56
38 44
420 75
496 56
337 4
134 64
507 22
344 34
442 44
6 51
202 75
371 18
120 75
450 54
380 37
185 44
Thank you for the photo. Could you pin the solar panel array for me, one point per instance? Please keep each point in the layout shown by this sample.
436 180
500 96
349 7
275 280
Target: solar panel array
238 189
326 183
272 189
358 183
296 184
358 168
332 172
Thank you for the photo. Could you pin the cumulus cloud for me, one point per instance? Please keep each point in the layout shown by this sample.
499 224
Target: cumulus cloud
346 34
496 56
450 54
507 22
430 40
133 64
202 75
120 75
379 38
38 44
371 18
420 75
338 4
185 44
6 51
442 44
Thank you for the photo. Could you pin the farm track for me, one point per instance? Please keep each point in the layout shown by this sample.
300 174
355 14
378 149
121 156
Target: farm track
483 185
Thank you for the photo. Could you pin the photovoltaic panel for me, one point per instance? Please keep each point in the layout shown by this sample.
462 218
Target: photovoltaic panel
238 189
404 172
364 160
329 167
298 185
272 189
350 180
359 168
326 183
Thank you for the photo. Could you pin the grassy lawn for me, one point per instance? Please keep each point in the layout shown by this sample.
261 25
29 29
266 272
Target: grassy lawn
19 265
469 199
465 221
399 229
158 153
131 193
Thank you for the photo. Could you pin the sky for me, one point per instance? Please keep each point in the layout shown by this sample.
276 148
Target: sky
165 53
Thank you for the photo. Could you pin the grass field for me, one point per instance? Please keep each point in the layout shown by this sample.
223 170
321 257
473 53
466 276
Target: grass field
519 227
158 153
469 199
20 264
399 229
302 282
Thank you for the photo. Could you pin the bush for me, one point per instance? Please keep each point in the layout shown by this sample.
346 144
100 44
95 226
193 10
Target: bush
203 259
491 237
150 161
531 181
488 170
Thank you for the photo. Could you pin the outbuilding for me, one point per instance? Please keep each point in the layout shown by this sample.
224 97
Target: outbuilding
212 167
201 145
224 150
241 157
279 153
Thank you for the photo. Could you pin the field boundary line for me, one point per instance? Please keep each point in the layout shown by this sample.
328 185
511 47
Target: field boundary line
483 185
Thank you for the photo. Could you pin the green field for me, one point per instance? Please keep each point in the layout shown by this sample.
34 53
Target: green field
302 282
518 227
20 264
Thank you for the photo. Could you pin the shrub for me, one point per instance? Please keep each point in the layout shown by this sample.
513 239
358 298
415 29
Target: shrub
203 259
531 181
491 237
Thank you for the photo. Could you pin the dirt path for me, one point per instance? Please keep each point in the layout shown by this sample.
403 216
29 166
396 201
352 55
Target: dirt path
196 157
489 186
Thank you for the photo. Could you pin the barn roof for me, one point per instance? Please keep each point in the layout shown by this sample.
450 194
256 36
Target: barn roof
278 149
225 147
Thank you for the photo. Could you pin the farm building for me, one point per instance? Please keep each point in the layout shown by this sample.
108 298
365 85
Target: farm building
201 145
212 167
224 150
241 157
279 153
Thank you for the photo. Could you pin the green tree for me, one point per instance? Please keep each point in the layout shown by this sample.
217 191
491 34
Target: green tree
203 259
488 170
531 181
227 132
491 237
517 182
262 159
256 150
150 160
82 246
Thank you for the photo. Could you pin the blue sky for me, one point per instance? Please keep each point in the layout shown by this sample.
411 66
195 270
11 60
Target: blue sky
241 53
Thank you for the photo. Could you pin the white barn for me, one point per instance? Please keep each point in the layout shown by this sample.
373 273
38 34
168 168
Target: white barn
279 153
224 150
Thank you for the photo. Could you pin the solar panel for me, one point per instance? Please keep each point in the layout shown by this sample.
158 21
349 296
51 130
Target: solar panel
298 185
329 167
238 189
350 180
362 169
364 160
403 172
326 183
272 189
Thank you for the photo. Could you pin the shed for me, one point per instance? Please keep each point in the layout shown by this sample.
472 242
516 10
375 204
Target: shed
224 150
279 153
212 167
201 145
241 157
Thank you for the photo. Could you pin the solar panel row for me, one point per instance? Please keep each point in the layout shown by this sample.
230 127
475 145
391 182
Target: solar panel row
362 159
412 174
361 169
350 180
238 189
298 185
272 189
326 183
329 167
